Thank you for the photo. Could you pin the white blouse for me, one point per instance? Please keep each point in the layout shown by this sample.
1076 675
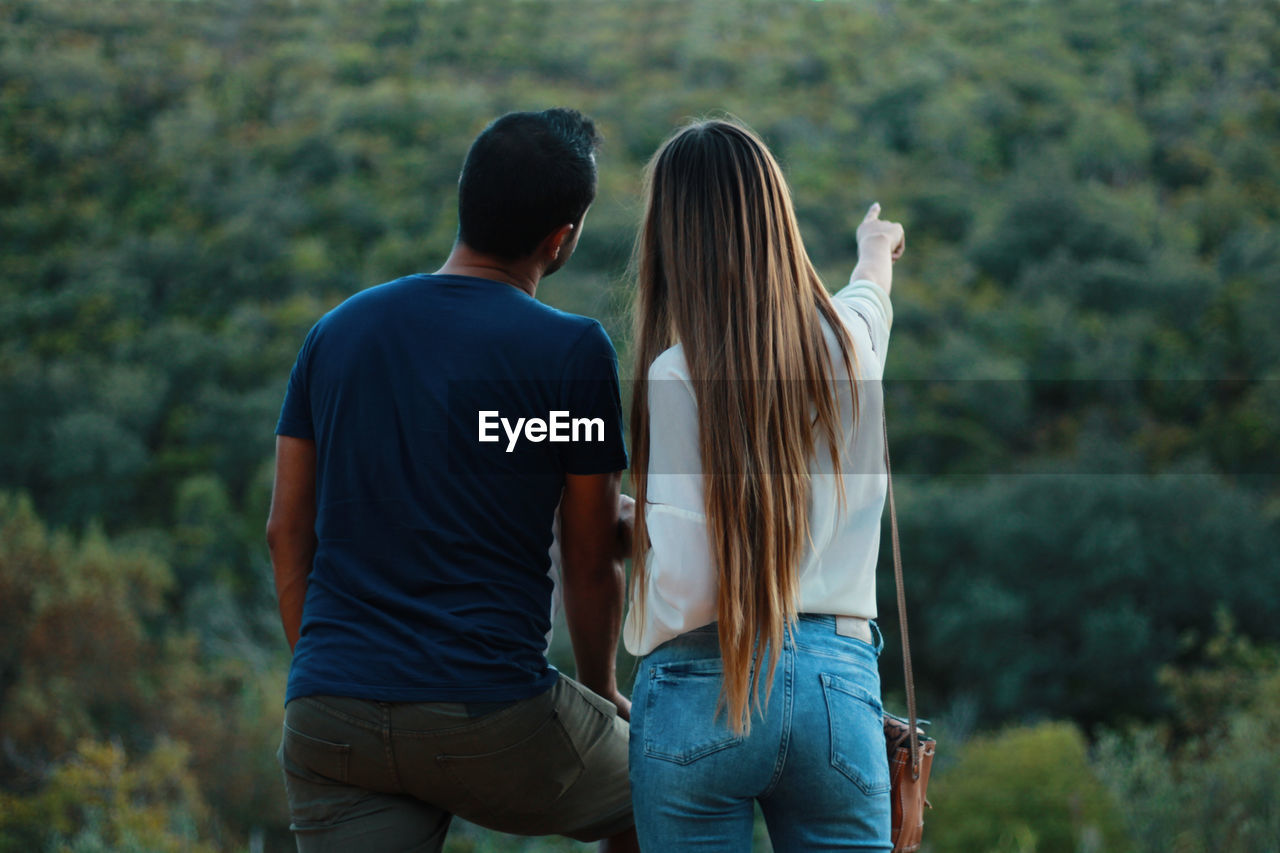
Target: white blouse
837 569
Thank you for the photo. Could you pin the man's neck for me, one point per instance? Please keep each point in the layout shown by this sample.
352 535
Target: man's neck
463 260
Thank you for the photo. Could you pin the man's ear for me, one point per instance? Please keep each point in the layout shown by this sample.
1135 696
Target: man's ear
556 241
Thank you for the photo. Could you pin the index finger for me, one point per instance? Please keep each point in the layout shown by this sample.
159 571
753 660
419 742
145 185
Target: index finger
873 213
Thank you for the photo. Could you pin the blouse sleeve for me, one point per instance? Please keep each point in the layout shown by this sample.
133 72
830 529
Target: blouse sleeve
869 302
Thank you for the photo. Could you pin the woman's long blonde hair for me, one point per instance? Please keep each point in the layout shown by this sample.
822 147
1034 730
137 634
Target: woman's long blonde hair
721 269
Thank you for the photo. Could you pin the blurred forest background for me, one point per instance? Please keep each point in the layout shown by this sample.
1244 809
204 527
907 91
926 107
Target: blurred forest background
1084 382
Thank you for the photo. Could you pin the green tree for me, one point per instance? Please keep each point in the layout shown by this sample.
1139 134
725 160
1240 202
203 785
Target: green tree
1063 594
97 800
80 659
1206 780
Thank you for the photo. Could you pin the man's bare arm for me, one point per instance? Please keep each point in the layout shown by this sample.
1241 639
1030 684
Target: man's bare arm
291 528
594 580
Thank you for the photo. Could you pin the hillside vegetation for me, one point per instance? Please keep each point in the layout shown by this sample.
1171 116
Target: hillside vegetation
1083 385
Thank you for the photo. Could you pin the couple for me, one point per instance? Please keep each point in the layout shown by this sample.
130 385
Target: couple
432 426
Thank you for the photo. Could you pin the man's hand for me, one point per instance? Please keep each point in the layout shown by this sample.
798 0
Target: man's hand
622 703
880 244
291 533
626 526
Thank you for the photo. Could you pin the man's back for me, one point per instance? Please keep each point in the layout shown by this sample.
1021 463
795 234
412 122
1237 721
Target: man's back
430 581
409 547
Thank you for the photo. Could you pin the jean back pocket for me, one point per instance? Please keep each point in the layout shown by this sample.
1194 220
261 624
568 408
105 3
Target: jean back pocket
683 720
857 734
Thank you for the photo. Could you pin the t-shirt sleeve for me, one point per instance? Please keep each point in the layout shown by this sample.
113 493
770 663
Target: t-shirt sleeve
593 404
295 414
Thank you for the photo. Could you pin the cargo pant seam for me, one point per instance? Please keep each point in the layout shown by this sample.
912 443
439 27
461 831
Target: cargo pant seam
388 750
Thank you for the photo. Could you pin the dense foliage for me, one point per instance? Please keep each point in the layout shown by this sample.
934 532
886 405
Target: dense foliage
1084 385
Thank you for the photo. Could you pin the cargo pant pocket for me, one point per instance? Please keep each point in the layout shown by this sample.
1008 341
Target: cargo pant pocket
314 758
524 778
315 776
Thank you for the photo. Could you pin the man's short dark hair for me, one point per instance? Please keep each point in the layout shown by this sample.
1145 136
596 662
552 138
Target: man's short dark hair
526 175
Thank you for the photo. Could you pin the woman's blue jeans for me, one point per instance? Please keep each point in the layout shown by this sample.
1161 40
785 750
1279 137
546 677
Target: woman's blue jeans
815 760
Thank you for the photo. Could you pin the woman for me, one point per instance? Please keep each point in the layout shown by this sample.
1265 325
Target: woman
758 466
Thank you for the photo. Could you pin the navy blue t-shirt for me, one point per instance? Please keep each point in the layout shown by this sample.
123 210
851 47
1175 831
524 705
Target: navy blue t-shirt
430 580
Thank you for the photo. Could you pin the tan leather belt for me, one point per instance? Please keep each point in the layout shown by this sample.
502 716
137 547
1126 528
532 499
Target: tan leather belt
854 626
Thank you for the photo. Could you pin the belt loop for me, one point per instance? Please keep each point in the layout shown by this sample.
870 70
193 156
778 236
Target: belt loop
877 635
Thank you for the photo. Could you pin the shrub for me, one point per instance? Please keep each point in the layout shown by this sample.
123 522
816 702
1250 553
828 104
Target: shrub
1024 790
1208 781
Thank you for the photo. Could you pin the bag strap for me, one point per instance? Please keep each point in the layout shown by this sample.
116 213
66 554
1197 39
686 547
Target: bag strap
902 601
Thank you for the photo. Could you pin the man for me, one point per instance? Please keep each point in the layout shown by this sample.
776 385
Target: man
412 512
